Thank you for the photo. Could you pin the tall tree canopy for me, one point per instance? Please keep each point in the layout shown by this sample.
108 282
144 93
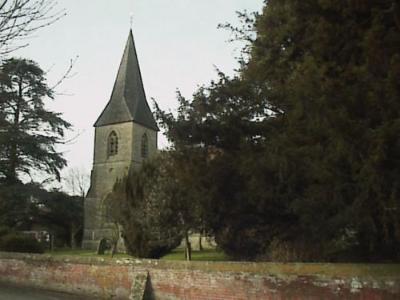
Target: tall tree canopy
331 70
29 132
303 145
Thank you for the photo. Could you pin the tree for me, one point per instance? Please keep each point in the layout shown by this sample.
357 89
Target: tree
215 135
62 214
19 19
177 183
29 132
17 207
77 181
304 137
333 80
23 206
147 204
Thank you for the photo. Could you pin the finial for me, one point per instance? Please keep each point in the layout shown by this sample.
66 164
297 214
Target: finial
131 18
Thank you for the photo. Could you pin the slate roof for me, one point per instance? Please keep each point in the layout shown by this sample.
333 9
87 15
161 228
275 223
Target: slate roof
128 99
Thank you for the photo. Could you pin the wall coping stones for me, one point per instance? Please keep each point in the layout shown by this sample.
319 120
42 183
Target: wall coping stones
361 271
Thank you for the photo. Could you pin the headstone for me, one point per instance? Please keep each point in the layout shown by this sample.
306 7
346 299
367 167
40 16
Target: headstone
102 247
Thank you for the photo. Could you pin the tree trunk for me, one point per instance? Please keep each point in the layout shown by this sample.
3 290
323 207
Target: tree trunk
52 237
73 232
114 248
188 247
13 159
200 240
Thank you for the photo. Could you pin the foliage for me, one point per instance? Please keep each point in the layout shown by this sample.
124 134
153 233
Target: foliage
302 150
18 205
4 230
337 108
29 132
18 242
142 203
213 136
23 206
63 216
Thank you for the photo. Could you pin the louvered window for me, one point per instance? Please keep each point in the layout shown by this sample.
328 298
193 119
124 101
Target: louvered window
112 144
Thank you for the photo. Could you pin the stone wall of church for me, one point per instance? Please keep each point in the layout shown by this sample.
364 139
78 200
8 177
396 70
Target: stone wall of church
138 131
107 169
124 132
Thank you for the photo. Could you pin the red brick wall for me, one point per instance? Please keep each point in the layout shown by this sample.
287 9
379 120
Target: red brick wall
120 279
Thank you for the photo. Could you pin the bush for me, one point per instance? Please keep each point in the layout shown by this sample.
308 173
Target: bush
144 204
154 249
242 238
293 251
4 230
16 242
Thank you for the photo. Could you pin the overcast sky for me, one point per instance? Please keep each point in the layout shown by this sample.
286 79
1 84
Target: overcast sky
178 47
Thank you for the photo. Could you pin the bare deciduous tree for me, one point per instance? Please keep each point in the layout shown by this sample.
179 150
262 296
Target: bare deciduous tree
19 19
77 184
77 181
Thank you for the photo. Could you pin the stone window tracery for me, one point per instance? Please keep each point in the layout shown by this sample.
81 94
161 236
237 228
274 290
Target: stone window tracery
112 144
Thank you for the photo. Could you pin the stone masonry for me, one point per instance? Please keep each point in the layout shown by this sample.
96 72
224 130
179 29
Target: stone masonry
128 117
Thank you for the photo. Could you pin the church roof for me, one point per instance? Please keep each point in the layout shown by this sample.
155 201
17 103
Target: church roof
128 99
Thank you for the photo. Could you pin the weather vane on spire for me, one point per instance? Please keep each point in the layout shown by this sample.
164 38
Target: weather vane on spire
131 18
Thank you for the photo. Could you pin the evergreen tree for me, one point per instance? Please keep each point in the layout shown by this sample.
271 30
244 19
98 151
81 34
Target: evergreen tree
17 209
62 215
145 204
213 135
29 132
331 70
304 140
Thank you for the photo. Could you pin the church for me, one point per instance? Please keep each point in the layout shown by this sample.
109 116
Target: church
125 135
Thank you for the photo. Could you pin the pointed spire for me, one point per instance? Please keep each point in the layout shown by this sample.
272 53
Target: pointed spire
128 99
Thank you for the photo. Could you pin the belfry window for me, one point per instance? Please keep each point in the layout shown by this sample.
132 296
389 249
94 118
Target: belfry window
112 144
144 146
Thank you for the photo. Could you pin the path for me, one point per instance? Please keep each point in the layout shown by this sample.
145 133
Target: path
11 292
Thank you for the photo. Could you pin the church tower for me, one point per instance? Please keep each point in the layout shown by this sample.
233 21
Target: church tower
125 135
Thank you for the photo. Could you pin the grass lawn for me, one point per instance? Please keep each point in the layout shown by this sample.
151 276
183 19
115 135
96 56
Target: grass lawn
177 254
205 255
84 253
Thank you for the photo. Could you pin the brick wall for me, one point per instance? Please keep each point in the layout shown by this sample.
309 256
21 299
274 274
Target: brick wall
129 279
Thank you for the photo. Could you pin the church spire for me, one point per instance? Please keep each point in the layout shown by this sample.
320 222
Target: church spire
128 99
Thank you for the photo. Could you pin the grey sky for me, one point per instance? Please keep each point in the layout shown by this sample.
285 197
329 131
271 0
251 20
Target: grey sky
177 41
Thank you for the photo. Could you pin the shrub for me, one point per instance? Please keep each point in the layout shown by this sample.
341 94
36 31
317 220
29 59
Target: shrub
16 242
145 205
293 251
242 239
4 230
144 243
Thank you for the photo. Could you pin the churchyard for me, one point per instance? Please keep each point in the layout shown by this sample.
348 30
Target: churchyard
275 175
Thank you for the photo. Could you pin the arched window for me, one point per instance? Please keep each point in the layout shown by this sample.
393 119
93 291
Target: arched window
112 144
144 146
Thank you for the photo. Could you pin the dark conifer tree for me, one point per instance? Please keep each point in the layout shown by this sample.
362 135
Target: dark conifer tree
331 69
29 132
305 139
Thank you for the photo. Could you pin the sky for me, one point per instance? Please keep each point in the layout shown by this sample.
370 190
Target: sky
178 43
